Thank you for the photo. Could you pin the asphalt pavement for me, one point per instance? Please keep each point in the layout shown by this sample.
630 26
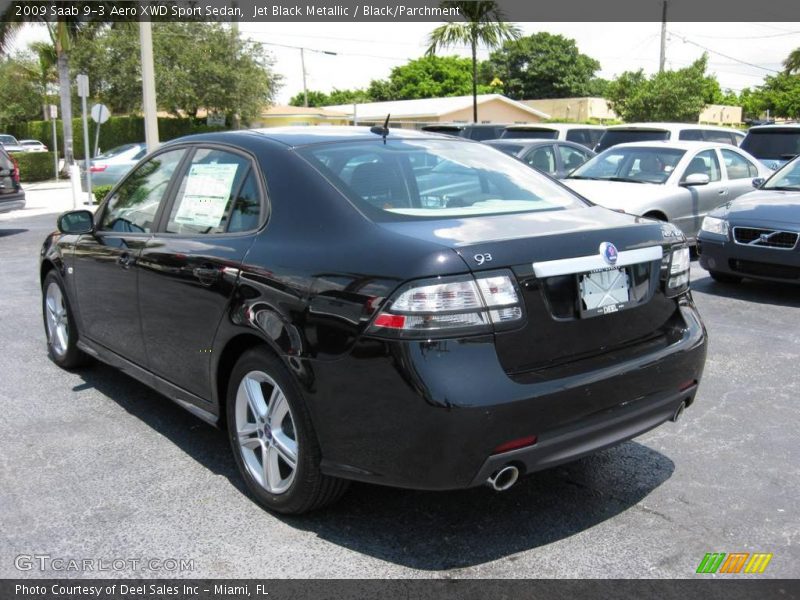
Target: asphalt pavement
95 466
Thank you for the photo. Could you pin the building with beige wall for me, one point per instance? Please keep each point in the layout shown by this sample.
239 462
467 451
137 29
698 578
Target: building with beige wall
280 116
575 109
721 114
492 108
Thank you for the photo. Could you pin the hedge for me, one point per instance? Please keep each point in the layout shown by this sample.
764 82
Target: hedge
114 132
35 166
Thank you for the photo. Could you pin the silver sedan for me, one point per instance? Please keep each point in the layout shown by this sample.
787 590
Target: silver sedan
679 182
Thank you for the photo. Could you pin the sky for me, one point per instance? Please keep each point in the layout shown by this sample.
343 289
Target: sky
740 54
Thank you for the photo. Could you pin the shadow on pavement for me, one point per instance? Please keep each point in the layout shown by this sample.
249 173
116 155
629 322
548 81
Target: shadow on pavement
751 290
428 530
8 232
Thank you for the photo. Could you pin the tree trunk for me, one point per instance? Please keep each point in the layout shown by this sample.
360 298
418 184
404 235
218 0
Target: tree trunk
65 91
474 80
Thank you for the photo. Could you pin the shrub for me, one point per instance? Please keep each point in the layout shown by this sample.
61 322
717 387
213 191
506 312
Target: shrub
100 192
35 166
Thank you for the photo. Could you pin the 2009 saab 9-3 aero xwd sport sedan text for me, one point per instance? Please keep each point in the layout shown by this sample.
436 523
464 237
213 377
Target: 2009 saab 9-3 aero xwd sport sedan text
392 307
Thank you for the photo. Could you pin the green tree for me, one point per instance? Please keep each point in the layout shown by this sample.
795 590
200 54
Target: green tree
678 95
20 96
543 65
780 94
484 25
428 77
792 62
315 98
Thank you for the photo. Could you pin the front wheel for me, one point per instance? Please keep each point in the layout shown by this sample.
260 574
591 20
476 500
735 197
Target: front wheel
273 439
59 324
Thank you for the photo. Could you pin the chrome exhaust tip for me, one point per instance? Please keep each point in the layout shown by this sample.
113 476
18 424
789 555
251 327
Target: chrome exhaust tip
679 412
503 479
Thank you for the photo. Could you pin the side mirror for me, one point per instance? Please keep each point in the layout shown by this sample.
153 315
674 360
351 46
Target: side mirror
758 182
76 222
696 179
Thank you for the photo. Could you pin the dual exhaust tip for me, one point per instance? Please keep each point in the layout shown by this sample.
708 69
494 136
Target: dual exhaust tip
503 479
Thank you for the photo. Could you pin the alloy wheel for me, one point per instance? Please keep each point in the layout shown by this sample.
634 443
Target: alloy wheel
57 319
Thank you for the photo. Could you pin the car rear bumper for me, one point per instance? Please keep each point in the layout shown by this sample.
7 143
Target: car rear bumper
429 415
9 202
771 264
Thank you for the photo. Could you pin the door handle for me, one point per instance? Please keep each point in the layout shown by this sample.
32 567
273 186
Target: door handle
206 275
125 260
722 192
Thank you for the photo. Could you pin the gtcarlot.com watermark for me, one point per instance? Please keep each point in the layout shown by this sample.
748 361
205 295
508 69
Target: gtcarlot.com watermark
47 562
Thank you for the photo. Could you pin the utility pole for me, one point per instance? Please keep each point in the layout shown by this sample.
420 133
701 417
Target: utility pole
148 86
303 63
663 58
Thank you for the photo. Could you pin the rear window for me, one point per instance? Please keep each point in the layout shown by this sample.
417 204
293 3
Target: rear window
773 143
512 149
586 137
412 180
612 137
484 133
531 134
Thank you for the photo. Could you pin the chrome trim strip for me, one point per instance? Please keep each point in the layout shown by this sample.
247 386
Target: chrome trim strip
594 262
753 243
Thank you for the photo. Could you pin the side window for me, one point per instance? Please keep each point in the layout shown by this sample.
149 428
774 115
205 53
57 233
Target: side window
133 207
246 212
704 162
210 190
543 159
692 135
571 157
737 166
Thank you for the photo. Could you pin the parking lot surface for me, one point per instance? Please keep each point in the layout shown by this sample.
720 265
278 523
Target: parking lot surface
96 466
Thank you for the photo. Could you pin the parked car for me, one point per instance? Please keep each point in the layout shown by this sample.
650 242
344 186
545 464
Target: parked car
10 143
557 159
12 196
756 235
391 322
111 166
679 182
773 145
653 132
586 135
471 131
33 146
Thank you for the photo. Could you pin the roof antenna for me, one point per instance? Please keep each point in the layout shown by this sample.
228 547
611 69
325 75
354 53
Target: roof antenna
382 131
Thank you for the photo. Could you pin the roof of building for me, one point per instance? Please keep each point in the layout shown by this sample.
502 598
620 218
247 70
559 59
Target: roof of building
427 107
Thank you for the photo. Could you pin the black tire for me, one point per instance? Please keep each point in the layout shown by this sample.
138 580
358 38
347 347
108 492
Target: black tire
310 489
66 356
724 277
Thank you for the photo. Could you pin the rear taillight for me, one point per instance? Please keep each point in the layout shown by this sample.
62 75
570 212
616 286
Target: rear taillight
15 174
451 305
97 168
676 271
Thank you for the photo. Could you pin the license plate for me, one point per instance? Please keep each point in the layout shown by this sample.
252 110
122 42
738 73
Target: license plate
604 292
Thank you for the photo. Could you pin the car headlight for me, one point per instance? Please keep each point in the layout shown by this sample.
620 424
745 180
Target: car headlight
715 225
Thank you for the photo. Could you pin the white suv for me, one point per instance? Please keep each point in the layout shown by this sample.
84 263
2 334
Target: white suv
653 132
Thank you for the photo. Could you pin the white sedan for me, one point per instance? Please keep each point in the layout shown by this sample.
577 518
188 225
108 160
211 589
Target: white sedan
679 182
33 146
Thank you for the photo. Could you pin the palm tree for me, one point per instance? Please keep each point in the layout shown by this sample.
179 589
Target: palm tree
792 62
483 25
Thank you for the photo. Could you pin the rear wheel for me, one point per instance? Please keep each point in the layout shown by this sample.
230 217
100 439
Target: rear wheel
59 324
272 437
724 277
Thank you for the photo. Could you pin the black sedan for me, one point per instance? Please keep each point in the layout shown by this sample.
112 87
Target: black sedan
756 235
557 159
384 306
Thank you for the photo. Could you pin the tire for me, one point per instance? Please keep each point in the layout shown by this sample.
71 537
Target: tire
59 324
724 277
268 420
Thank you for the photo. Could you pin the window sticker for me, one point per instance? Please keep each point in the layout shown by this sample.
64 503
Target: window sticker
208 188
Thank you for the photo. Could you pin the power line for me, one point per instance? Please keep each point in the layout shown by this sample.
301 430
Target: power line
686 40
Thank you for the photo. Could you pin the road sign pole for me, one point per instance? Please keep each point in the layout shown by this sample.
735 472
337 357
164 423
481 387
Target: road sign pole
83 92
53 114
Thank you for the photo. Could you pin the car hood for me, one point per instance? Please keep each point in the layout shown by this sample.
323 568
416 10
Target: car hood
767 206
618 194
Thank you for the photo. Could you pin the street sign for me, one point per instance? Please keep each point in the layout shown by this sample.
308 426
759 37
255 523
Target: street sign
50 112
83 86
100 113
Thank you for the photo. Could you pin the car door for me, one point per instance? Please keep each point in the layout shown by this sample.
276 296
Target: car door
702 198
188 269
106 262
739 171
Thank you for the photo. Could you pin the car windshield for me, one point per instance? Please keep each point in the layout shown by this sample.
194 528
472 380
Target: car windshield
612 137
532 134
8 140
773 143
788 178
417 179
631 164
